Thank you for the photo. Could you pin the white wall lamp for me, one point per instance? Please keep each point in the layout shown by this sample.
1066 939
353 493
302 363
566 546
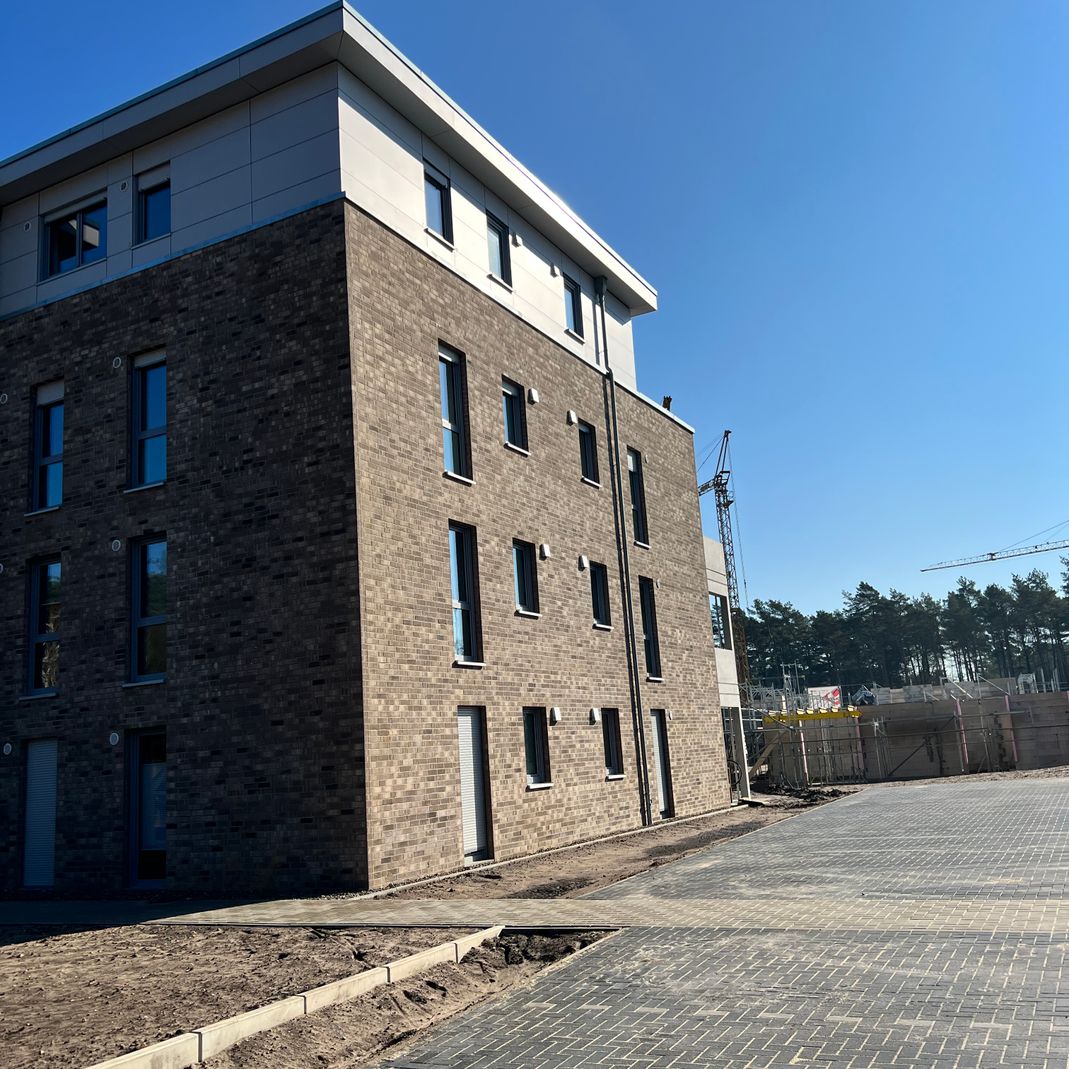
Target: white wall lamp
554 715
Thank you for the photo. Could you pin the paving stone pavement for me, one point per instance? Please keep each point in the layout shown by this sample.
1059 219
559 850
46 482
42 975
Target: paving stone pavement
914 928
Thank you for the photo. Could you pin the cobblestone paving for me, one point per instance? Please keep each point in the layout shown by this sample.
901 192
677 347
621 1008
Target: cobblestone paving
919 928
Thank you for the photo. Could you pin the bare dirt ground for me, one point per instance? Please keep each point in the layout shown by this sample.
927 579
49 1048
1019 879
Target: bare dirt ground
1057 772
378 1023
72 998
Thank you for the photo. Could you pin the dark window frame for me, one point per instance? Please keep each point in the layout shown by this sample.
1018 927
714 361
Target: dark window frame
588 453
514 398
79 216
721 621
651 642
497 234
141 620
573 306
612 742
525 576
464 563
143 194
599 594
536 746
453 376
36 636
140 434
41 460
637 484
443 189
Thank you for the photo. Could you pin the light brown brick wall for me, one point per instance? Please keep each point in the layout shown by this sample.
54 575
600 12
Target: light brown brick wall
401 304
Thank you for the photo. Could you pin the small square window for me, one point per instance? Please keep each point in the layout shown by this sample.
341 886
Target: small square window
614 751
599 594
154 212
497 242
573 306
439 205
536 746
525 576
76 238
515 413
588 452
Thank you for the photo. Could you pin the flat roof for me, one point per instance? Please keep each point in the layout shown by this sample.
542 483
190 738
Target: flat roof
336 33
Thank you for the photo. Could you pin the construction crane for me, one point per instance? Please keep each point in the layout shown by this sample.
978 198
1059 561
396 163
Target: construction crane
983 558
719 485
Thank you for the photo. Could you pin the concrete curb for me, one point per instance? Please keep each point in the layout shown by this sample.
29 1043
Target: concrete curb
189 1048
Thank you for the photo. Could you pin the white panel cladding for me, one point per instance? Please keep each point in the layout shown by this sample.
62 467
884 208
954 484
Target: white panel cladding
39 838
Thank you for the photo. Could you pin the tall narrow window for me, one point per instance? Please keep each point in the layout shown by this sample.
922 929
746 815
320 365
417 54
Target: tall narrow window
588 453
650 641
573 306
525 576
638 497
76 238
148 616
149 446
153 211
536 746
43 641
47 491
515 414
720 614
599 594
454 412
439 207
610 733
467 637
497 240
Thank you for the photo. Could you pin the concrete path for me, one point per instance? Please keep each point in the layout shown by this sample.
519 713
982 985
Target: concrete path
913 927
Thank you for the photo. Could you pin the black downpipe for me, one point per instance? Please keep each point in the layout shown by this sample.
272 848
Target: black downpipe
637 721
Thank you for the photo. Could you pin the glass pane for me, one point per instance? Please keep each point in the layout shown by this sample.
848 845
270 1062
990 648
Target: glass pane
510 403
493 241
463 639
456 568
435 197
154 579
62 245
153 397
451 445
94 233
156 212
51 489
152 650
50 582
52 431
152 459
569 308
519 580
46 666
153 806
530 747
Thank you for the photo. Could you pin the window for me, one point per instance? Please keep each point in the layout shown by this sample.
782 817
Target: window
525 576
76 238
614 751
467 638
536 746
153 211
721 615
148 616
47 489
497 240
43 642
454 412
515 414
439 207
649 627
588 452
638 497
599 594
149 445
573 306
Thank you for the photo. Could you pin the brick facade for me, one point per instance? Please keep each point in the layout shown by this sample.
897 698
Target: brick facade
310 705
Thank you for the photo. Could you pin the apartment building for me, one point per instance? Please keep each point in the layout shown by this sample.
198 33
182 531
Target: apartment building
339 545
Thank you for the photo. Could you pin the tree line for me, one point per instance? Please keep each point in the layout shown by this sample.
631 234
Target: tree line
894 640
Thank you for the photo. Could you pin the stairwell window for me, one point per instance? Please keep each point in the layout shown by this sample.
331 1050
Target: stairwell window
47 489
149 410
639 526
463 576
514 412
525 577
650 642
76 237
721 616
588 453
148 611
455 438
536 746
599 594
573 306
439 202
614 751
497 241
43 641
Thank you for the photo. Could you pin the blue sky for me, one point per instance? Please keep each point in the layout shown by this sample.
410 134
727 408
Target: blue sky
856 214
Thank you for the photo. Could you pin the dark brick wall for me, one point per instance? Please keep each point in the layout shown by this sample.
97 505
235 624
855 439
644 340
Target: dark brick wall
401 305
262 702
